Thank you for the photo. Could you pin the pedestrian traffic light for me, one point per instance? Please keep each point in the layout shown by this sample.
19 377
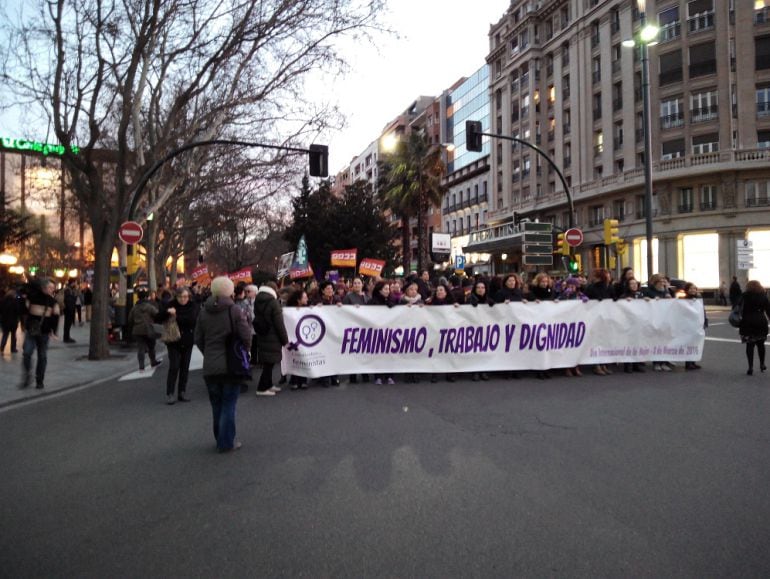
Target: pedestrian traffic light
473 135
574 264
319 160
611 234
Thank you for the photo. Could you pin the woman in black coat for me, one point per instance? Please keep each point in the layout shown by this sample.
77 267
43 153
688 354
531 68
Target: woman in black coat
10 313
510 291
185 311
753 329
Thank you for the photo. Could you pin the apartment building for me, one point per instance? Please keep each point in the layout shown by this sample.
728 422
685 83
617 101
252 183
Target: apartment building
561 79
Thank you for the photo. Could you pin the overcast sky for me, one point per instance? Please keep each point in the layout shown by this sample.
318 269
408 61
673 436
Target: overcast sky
438 42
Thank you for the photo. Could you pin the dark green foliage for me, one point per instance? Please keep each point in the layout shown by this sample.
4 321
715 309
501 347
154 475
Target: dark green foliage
354 220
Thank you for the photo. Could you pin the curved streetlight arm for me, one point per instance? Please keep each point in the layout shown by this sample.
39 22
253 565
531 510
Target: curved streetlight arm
159 163
551 162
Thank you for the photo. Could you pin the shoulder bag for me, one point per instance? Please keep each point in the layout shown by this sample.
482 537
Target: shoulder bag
237 355
736 314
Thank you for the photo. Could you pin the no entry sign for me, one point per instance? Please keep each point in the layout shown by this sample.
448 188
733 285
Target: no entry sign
130 232
573 237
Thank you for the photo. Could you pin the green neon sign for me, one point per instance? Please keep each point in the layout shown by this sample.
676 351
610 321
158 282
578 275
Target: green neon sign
44 148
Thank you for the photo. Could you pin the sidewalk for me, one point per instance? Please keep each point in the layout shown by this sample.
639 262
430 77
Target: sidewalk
68 367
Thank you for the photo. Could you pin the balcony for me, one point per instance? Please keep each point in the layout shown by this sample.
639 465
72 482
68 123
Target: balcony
672 121
704 114
701 22
757 202
524 80
708 205
670 32
687 208
762 16
703 68
483 198
670 76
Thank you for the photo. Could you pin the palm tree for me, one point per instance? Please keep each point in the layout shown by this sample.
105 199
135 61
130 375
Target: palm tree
411 182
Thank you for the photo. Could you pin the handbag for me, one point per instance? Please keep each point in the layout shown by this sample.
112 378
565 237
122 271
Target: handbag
237 354
171 331
736 314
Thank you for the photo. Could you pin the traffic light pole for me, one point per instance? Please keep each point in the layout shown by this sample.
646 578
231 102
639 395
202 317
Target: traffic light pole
318 165
550 161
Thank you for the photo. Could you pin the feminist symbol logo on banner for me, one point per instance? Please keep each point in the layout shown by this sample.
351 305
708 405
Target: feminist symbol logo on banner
310 330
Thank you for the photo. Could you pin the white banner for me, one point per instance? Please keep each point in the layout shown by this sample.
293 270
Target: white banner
330 340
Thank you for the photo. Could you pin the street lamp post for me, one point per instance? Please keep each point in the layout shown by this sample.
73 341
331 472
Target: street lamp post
645 54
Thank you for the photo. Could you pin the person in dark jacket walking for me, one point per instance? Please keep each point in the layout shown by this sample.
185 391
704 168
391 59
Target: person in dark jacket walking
142 317
735 292
185 312
10 314
41 321
753 328
71 293
270 334
219 320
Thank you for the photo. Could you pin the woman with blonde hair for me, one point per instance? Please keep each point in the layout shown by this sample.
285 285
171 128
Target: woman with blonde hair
755 309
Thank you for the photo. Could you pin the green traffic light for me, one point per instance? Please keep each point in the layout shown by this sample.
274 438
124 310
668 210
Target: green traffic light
573 266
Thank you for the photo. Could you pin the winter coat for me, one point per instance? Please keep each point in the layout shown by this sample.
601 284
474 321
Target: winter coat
540 293
70 299
756 309
600 291
354 299
217 320
379 300
10 312
269 327
186 318
511 295
142 317
476 300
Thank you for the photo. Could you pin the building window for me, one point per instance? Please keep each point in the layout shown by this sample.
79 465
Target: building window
673 149
596 70
685 200
598 143
757 193
596 215
705 144
763 139
763 100
708 197
703 106
700 259
703 59
670 68
700 15
597 106
762 52
671 113
670 27
619 209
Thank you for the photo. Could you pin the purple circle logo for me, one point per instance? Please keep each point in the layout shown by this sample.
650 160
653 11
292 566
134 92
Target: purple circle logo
310 330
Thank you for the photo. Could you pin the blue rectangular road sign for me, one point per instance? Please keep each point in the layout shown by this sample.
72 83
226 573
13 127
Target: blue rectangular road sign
459 262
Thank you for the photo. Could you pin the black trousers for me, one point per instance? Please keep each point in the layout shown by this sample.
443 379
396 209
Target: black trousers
69 319
179 366
9 333
266 378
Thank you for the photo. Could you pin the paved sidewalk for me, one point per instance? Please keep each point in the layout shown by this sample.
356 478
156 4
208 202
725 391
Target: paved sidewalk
68 367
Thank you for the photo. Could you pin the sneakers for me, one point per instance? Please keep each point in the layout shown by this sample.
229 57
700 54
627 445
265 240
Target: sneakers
265 392
170 400
275 388
236 446
378 382
391 381
657 367
665 368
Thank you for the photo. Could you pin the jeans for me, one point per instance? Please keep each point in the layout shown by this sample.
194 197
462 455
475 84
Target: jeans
31 343
223 397
179 355
145 344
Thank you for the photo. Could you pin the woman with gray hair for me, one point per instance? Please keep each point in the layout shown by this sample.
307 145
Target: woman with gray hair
217 322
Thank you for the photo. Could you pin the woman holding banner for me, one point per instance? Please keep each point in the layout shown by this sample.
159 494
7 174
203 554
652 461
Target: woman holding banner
298 299
441 297
380 294
510 291
327 297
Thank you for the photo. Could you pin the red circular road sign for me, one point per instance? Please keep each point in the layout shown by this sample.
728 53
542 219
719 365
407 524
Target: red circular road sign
573 237
131 232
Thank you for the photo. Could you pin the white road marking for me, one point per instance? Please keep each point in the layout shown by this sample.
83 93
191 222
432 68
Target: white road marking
732 340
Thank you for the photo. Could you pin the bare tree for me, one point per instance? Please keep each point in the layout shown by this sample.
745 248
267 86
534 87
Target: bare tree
140 77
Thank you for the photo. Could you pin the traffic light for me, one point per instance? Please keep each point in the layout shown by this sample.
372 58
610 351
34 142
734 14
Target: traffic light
611 234
561 245
33 269
621 246
574 264
473 135
319 160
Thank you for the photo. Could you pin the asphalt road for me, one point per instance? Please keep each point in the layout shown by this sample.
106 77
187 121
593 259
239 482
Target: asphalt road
643 475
